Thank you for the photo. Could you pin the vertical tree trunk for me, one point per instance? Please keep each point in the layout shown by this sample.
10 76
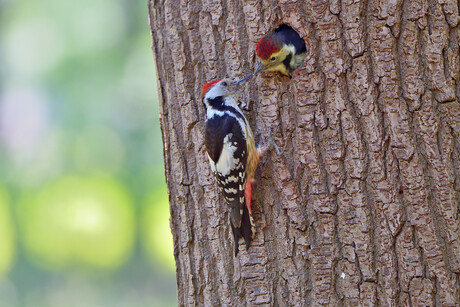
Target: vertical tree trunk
362 205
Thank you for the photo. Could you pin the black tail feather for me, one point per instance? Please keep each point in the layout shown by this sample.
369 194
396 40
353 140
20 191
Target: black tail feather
246 227
245 231
236 237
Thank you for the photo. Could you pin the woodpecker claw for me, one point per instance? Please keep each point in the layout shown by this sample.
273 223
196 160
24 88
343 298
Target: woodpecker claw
271 142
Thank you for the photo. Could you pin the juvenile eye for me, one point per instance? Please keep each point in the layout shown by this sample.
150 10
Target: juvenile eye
224 83
273 58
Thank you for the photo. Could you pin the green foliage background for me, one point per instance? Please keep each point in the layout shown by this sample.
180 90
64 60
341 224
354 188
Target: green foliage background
84 216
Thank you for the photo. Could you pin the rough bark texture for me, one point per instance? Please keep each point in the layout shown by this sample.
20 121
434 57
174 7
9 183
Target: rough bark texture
362 205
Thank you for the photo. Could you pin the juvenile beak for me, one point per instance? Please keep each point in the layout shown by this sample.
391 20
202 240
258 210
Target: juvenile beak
259 68
242 81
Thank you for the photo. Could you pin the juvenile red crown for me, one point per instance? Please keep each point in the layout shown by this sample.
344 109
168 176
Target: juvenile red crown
207 87
266 47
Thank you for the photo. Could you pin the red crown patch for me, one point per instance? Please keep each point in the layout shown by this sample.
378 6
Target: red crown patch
265 48
207 87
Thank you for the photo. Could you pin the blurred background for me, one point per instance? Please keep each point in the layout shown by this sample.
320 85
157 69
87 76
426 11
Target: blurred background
84 215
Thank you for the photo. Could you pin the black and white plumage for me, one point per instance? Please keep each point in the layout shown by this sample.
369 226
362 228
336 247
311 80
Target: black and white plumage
232 154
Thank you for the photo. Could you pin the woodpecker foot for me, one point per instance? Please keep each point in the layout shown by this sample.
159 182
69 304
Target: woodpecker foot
271 143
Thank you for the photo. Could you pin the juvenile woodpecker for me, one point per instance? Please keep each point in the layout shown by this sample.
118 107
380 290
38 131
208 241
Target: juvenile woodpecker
282 50
232 153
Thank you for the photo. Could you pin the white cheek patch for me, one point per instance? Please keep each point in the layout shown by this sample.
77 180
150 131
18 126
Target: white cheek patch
215 91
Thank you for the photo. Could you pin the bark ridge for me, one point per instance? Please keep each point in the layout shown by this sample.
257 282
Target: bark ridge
361 208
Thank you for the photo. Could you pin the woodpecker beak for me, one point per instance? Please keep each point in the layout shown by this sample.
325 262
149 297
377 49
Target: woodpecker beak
243 81
259 68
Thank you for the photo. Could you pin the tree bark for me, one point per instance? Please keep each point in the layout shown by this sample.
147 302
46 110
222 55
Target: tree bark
361 207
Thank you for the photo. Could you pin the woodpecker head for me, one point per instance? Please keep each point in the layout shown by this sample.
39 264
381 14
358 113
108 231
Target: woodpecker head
271 51
283 50
275 55
221 92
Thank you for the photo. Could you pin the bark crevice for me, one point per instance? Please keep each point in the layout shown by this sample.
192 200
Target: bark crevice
362 205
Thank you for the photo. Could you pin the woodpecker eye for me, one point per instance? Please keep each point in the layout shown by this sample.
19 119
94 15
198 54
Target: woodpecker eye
224 83
272 59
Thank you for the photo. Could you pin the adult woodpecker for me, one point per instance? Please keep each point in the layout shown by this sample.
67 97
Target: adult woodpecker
282 50
232 153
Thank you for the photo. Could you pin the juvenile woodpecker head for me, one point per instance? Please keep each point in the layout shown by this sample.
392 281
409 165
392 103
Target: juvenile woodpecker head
271 51
283 50
220 92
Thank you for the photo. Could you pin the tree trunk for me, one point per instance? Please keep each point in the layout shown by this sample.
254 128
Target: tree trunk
361 207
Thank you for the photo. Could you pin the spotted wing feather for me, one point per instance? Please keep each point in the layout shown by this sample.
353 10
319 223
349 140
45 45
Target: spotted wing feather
226 147
228 154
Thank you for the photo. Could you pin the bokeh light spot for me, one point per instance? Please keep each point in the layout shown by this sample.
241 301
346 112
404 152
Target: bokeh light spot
32 40
78 221
23 120
156 232
90 153
86 22
7 244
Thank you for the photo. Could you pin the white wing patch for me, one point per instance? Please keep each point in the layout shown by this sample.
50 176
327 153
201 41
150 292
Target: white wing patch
211 162
227 162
